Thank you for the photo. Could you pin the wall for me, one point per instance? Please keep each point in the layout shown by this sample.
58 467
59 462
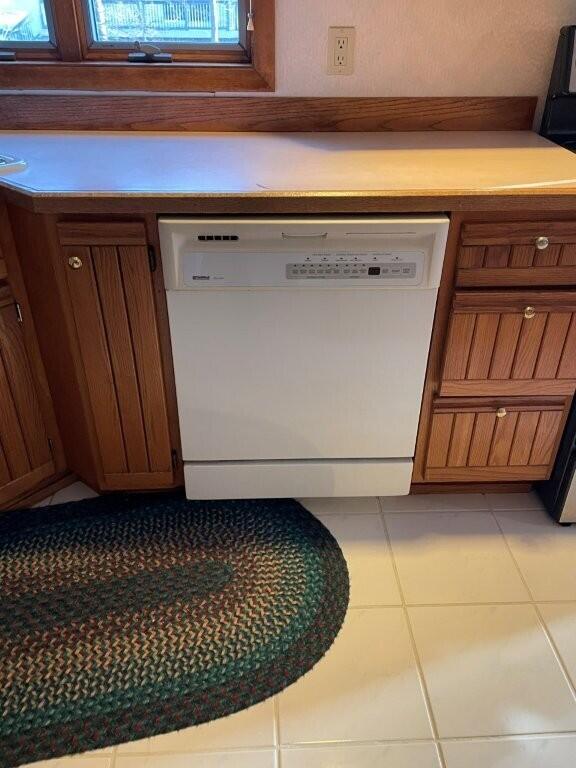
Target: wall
422 47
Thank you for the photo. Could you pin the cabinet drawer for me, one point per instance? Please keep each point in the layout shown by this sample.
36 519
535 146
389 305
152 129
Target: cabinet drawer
514 254
511 343
494 440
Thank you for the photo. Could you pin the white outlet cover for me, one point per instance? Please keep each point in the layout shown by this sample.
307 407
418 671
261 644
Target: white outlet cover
335 34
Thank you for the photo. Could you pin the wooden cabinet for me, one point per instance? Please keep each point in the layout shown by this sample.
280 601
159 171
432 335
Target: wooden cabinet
31 457
108 277
26 451
514 254
493 440
502 368
511 343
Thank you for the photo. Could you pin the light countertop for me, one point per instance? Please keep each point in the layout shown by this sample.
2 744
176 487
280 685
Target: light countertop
237 164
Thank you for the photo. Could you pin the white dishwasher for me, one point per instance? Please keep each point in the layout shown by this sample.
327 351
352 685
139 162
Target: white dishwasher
300 350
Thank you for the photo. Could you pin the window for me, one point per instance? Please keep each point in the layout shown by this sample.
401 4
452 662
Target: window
178 22
167 45
24 21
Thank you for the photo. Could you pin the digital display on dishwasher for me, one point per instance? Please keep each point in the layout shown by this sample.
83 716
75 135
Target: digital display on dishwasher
351 270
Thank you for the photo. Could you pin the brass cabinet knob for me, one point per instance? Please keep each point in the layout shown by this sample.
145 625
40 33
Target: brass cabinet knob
529 313
542 243
75 262
501 412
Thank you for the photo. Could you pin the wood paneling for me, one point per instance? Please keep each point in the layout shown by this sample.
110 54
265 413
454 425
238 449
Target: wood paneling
25 454
196 113
43 490
125 378
483 345
505 254
285 203
492 348
517 232
469 442
97 365
30 448
114 233
474 487
113 305
146 345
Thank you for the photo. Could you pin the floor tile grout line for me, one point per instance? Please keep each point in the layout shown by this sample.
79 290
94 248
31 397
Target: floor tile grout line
276 709
183 751
403 742
335 743
559 735
555 651
448 511
479 604
420 669
544 626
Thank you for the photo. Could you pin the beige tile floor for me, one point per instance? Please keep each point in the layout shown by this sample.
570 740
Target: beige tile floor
458 650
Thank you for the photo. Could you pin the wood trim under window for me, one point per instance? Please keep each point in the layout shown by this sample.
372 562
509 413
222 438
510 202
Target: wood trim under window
74 63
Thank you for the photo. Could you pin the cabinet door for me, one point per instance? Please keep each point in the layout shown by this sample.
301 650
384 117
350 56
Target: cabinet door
511 343
26 458
109 280
513 254
494 440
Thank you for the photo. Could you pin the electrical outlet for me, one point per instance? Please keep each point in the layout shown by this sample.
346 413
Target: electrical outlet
341 50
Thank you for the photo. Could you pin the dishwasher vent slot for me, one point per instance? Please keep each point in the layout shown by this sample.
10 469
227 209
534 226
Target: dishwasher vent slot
205 238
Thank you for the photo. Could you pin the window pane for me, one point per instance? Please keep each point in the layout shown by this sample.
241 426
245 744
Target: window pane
165 21
23 21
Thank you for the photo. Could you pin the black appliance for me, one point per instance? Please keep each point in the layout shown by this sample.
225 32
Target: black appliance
559 125
559 119
559 493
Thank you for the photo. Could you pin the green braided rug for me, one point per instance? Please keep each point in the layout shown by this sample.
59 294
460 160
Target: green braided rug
128 616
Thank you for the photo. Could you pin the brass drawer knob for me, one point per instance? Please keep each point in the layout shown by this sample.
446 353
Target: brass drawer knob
501 412
529 313
542 243
75 262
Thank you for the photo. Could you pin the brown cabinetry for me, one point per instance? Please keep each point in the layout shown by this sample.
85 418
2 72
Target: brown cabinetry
514 254
111 297
493 440
511 343
31 457
26 451
502 369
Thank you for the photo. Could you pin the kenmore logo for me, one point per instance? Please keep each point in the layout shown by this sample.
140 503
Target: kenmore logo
200 277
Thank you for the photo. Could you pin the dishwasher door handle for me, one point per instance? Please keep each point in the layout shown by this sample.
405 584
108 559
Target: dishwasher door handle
314 236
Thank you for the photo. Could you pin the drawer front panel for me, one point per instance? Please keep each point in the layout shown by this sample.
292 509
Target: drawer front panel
474 440
517 253
511 344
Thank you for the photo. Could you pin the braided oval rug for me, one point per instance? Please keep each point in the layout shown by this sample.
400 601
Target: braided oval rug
128 616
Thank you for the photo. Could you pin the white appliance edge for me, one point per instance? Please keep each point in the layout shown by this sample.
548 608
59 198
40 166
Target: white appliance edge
303 387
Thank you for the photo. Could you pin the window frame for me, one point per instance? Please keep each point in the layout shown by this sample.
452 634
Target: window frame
72 60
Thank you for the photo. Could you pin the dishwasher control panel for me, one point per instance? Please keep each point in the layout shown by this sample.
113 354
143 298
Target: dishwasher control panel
351 270
331 253
291 268
404 267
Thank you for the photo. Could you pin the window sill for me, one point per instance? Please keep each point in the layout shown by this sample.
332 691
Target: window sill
115 76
